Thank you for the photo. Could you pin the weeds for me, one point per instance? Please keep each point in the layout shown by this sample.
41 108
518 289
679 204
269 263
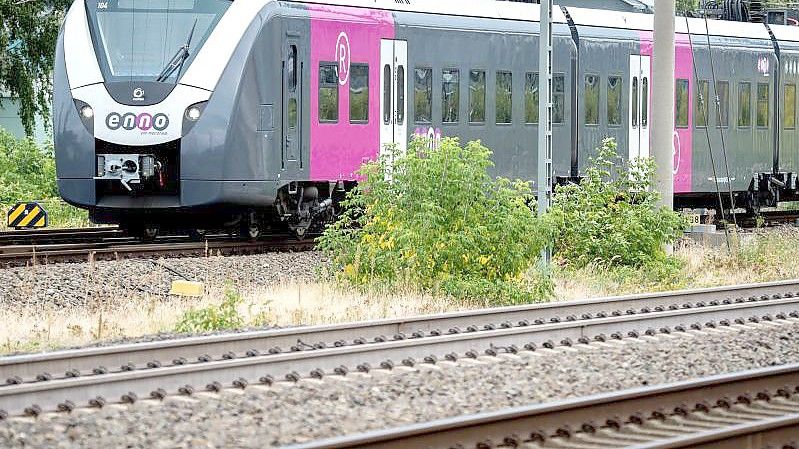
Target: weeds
611 218
441 224
213 318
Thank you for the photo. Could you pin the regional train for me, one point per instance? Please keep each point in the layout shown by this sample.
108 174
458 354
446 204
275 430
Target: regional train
221 114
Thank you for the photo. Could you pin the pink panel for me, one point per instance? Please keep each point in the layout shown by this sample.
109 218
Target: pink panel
346 36
683 143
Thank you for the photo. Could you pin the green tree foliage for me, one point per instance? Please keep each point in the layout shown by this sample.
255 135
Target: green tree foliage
28 35
27 172
441 224
611 218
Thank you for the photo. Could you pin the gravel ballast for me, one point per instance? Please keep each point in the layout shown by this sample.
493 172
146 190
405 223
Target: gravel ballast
279 415
93 284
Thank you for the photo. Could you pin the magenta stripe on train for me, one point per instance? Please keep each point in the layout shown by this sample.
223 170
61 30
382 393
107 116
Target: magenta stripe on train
346 36
683 143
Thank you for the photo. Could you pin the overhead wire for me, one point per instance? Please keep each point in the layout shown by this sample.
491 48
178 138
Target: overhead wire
704 111
720 125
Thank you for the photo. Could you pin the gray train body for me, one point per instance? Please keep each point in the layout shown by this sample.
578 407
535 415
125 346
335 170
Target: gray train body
215 113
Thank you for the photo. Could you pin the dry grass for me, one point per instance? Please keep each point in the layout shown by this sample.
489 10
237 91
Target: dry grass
762 257
288 304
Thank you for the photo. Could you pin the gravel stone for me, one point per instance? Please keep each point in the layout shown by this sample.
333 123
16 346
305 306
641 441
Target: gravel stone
60 286
280 415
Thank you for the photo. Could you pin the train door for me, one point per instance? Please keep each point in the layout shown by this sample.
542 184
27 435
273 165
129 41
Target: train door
394 92
292 107
639 82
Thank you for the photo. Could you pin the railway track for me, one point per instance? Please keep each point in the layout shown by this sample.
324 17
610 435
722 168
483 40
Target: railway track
63 380
753 409
21 248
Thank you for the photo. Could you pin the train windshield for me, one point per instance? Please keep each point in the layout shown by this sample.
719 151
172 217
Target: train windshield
152 40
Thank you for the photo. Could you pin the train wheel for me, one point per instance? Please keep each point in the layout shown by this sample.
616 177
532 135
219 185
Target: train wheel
148 233
198 235
250 231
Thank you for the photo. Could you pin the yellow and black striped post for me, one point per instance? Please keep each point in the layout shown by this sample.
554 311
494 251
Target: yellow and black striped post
27 215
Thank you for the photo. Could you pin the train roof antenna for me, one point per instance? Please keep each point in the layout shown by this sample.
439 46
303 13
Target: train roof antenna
718 116
703 111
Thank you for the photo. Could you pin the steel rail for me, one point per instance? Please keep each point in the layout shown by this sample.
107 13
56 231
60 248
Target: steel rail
564 419
126 248
50 234
771 432
26 368
65 393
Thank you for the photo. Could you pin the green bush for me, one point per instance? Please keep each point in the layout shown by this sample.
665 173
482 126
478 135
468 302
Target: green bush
611 218
27 172
213 318
441 224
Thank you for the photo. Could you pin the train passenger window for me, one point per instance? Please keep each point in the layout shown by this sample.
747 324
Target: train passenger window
359 93
744 105
789 119
634 115
423 95
614 100
328 92
477 96
400 95
762 105
531 98
504 97
723 93
292 113
681 103
387 94
700 105
291 66
591 100
644 102
558 98
450 95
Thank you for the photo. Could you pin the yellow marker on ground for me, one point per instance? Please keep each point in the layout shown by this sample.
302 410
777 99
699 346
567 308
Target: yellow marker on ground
187 288
27 215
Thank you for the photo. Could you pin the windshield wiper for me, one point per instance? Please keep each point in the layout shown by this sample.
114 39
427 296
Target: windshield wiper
176 63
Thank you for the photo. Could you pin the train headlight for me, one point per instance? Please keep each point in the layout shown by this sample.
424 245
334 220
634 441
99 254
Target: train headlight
87 112
86 115
193 113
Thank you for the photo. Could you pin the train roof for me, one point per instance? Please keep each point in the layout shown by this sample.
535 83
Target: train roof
492 9
489 9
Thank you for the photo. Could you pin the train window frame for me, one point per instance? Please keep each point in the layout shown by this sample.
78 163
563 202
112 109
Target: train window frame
767 103
332 87
402 75
619 103
645 102
722 115
598 87
353 69
508 92
428 89
704 95
792 123
531 90
291 68
634 103
472 97
448 119
558 96
748 85
682 99
387 85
